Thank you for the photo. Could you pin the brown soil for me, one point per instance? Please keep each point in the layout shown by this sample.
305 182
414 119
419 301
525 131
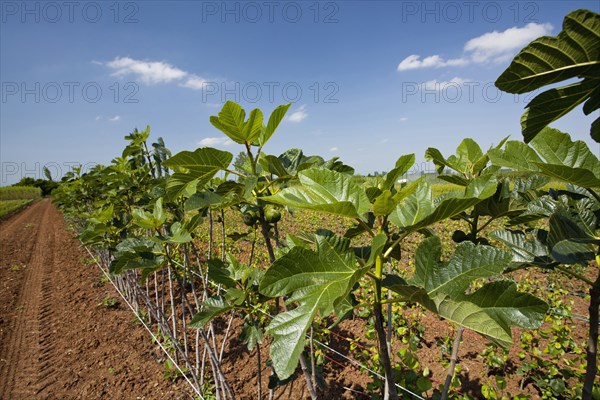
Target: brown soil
57 340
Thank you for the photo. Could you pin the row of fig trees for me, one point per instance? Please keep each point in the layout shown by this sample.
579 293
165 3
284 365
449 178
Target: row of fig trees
145 209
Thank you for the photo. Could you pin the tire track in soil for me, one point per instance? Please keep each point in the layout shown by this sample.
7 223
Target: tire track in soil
46 348
20 351
56 340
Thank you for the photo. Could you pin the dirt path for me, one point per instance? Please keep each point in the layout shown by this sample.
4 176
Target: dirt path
57 340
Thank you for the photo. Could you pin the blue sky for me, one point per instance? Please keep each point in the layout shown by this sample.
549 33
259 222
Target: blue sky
369 80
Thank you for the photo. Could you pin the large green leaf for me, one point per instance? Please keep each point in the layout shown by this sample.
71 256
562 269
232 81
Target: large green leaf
178 234
469 159
291 159
402 166
420 209
273 165
317 281
148 220
569 241
274 121
466 264
566 160
554 154
325 191
197 167
505 304
137 253
575 52
527 249
441 287
553 104
211 308
384 204
516 155
253 127
231 121
226 194
207 199
557 148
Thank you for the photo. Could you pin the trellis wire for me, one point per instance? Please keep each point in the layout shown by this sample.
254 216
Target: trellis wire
145 326
196 389
333 350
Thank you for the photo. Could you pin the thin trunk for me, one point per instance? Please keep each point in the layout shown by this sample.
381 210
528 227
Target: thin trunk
307 377
227 331
223 236
162 291
183 321
265 232
453 360
264 227
258 372
389 314
391 391
251 259
173 319
276 235
389 327
210 234
312 358
591 370
148 294
197 370
203 366
217 370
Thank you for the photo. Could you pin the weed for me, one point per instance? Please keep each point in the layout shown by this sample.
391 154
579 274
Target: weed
110 302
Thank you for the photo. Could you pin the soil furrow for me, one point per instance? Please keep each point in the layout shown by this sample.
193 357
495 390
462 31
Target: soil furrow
57 340
17 365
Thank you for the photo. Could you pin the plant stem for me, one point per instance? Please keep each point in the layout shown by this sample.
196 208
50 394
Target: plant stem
223 236
227 331
265 232
258 372
312 357
453 360
387 253
307 378
389 313
173 316
592 351
593 193
367 228
384 354
210 233
264 228
575 275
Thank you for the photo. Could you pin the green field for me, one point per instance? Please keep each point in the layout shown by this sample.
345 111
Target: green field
13 198
9 206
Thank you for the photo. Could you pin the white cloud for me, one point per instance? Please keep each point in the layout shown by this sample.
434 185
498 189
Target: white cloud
215 141
501 46
115 118
414 61
98 118
299 115
149 72
333 149
490 47
195 82
403 119
442 85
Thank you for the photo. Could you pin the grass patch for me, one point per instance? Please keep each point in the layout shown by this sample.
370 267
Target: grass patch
20 193
10 206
